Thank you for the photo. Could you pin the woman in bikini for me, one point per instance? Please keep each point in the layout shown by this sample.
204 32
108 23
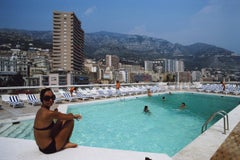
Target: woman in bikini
52 137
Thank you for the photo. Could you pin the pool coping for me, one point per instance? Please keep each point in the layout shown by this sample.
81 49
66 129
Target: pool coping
20 149
202 147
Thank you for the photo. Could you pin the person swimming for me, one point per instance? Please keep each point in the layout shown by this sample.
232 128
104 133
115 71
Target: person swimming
182 106
163 98
146 110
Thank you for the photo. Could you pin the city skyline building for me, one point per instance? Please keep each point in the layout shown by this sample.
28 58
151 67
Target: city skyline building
173 66
112 61
164 66
148 66
68 43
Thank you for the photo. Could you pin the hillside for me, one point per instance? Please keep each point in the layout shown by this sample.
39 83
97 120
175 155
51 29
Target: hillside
135 48
41 39
132 48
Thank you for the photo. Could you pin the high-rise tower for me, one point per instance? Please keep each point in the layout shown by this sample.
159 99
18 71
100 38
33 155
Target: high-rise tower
68 43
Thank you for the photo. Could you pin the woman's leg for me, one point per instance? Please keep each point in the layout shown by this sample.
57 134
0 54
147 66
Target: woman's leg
57 128
63 136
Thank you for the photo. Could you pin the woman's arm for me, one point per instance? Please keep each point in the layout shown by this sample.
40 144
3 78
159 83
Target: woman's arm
62 116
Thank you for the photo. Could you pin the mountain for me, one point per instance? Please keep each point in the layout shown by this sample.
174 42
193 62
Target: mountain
135 48
147 45
132 48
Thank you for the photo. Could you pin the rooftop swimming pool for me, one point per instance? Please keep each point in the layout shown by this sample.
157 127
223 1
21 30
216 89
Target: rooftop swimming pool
122 124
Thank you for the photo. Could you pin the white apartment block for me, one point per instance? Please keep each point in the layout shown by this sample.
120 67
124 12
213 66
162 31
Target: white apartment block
164 66
112 61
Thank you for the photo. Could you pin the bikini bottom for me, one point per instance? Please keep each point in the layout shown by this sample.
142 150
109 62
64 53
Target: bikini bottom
51 148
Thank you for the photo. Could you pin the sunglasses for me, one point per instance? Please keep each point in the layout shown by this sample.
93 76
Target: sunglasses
47 98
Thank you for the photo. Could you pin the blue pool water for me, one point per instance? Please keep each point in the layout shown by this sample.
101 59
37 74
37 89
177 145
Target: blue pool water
121 124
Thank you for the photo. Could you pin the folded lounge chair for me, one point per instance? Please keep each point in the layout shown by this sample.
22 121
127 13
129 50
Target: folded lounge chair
15 102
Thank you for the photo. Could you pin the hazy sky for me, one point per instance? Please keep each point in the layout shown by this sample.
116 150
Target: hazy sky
215 22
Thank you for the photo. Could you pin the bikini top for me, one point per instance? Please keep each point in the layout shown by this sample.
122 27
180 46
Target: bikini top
46 128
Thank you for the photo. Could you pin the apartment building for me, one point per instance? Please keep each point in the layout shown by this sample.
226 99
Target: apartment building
68 43
173 66
112 61
164 66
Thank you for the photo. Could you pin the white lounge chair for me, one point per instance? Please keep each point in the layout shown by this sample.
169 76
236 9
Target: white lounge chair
23 97
90 94
5 98
68 97
14 101
82 96
59 97
103 94
32 99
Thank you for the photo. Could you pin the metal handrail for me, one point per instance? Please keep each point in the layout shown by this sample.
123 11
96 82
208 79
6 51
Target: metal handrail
225 118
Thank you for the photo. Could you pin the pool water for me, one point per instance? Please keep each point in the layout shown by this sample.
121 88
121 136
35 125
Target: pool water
122 124
23 130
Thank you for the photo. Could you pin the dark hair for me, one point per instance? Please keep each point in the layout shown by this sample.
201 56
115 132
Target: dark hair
145 107
43 91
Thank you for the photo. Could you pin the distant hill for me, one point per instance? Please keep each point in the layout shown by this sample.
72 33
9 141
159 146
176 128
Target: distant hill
137 48
41 39
148 45
132 48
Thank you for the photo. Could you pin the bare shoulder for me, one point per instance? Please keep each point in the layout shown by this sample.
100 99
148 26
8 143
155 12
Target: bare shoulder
45 114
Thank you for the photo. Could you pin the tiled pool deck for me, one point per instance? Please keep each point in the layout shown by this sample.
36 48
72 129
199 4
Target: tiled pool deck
230 148
204 147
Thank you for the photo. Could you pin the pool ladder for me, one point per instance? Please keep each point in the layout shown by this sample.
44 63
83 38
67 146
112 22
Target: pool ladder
225 118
